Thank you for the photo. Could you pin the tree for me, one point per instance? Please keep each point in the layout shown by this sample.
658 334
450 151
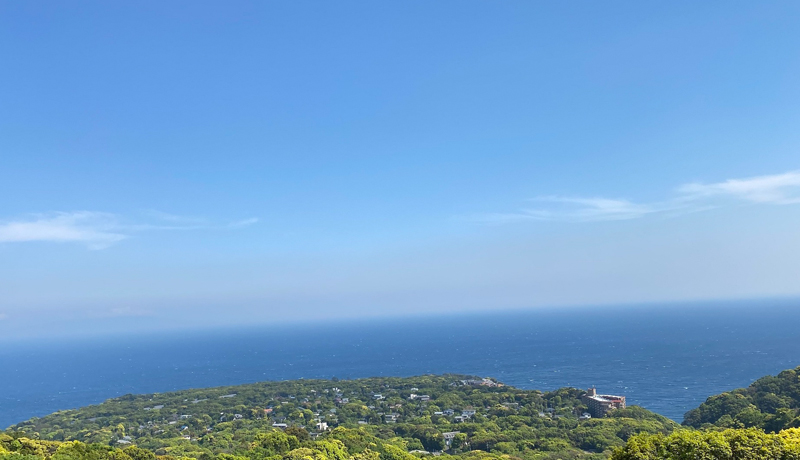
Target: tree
135 453
275 442
298 432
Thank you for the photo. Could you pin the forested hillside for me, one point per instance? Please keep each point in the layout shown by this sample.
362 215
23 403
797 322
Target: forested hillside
386 418
771 403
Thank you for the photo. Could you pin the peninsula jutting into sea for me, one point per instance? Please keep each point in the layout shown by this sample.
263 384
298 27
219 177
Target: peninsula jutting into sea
401 419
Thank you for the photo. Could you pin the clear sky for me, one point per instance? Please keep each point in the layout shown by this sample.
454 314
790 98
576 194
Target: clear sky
195 164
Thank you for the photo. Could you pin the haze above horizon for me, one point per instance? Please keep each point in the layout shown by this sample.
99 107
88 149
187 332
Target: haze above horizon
203 164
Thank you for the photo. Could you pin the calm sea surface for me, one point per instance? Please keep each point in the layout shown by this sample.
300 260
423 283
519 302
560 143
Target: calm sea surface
667 359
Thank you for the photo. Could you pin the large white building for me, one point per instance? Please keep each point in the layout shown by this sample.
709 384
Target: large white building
600 405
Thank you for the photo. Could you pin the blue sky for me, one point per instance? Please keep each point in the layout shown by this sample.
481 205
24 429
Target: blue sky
192 164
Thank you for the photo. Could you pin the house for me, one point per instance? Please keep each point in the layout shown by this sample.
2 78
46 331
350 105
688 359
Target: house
448 412
467 413
448 437
424 398
599 405
322 426
585 416
391 418
282 426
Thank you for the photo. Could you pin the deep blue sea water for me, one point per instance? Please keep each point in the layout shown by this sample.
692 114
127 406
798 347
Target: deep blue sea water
665 358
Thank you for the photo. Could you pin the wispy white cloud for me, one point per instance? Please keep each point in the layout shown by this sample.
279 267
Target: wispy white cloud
243 223
97 230
605 209
777 189
579 210
175 219
569 209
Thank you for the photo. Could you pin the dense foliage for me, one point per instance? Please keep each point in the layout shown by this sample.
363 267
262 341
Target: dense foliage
730 444
771 403
367 419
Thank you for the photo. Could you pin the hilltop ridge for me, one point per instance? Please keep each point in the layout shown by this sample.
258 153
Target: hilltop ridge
771 403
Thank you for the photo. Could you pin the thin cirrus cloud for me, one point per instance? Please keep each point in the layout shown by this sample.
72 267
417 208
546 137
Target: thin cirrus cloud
776 189
242 223
96 230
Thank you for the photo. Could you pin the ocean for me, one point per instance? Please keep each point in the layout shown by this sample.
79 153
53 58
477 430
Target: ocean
666 358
